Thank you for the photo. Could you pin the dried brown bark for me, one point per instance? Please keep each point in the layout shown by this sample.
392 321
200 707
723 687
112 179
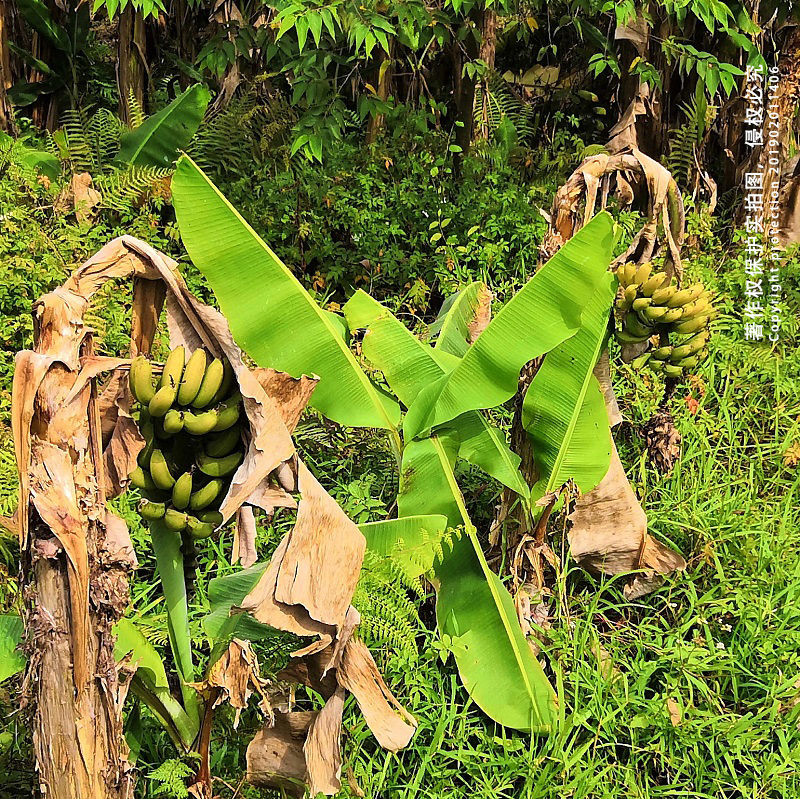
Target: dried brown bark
486 53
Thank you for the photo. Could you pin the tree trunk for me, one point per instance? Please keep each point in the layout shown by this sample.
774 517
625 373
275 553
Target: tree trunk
464 90
7 124
486 53
131 63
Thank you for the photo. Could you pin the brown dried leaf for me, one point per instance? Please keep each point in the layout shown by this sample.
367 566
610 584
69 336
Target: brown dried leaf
322 750
483 314
674 710
275 757
244 538
609 531
389 721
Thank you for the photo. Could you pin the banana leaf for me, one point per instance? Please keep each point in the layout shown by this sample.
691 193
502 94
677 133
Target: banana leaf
272 317
169 564
409 365
151 683
416 541
454 320
564 410
473 608
12 661
160 138
545 312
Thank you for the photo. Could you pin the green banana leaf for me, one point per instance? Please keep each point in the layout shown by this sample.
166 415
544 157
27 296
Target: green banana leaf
414 540
169 564
564 411
160 138
454 320
12 661
152 685
545 312
38 16
473 608
272 317
409 365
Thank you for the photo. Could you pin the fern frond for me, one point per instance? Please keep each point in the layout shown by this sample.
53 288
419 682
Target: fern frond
136 113
128 187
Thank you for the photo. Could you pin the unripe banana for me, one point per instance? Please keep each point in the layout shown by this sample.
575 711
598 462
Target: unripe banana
661 353
141 380
672 371
198 424
173 368
143 459
199 530
204 496
160 471
142 479
627 338
212 382
656 365
698 307
152 510
228 377
679 353
662 296
689 363
635 327
162 401
690 326
628 274
144 417
672 315
680 298
697 290
173 422
224 443
226 418
703 354
643 273
193 376
698 341
652 313
641 303
652 284
219 467
175 520
182 491
211 517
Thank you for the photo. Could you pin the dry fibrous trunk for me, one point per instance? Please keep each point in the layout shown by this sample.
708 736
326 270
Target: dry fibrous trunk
488 48
7 124
131 60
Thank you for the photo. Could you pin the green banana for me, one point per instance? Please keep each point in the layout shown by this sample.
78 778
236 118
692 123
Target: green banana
652 313
152 510
175 520
141 380
228 377
698 307
672 371
182 491
204 496
199 530
692 346
173 422
162 401
662 296
173 368
226 418
680 298
224 443
656 365
212 382
643 273
689 363
198 424
219 467
628 274
641 303
193 376
703 354
681 352
211 517
160 471
672 315
143 458
691 325
635 327
142 479
627 338
652 284
662 353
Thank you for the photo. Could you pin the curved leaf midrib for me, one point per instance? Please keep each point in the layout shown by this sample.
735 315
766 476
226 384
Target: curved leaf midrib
471 532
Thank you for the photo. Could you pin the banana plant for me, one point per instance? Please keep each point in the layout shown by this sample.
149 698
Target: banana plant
443 391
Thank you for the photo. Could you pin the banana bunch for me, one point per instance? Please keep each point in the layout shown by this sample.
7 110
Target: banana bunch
191 423
651 305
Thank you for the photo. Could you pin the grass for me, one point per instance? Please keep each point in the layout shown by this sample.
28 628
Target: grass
693 691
